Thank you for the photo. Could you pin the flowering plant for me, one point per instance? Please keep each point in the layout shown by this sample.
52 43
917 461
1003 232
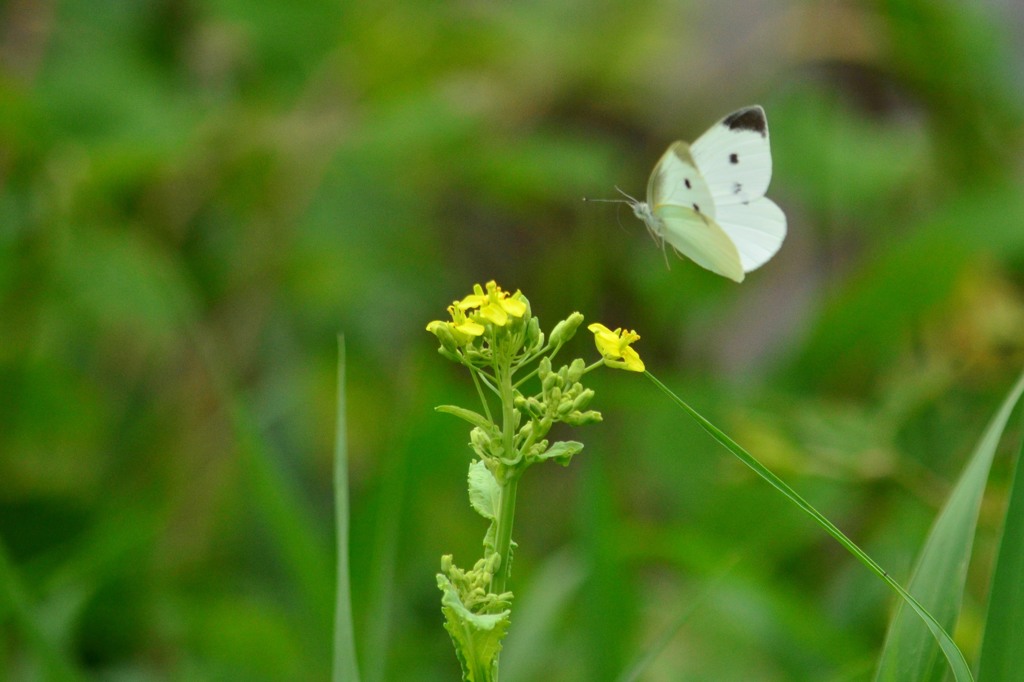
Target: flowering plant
496 337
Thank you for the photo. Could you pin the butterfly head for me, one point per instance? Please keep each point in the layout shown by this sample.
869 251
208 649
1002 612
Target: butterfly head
640 208
642 211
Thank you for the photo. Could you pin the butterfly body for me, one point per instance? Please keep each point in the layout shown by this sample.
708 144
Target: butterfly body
706 200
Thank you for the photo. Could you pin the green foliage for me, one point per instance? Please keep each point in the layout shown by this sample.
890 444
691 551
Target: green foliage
195 198
484 491
938 580
943 586
1000 651
345 666
476 636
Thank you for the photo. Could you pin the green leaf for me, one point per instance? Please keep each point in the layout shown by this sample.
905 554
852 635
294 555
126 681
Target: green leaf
474 418
957 663
476 636
484 491
561 452
1004 638
345 666
938 580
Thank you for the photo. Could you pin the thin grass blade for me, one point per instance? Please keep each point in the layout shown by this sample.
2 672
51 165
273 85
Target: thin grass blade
1004 638
941 571
957 663
346 667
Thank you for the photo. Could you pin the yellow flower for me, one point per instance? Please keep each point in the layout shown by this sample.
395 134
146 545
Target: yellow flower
461 329
469 315
614 347
494 305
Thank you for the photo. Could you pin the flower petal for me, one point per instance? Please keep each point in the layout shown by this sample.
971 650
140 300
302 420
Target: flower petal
614 347
494 314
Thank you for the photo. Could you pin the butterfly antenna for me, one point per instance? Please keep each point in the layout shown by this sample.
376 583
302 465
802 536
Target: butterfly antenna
629 199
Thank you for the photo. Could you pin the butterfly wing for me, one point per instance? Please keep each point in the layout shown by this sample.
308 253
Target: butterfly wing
676 180
699 238
734 157
684 214
757 229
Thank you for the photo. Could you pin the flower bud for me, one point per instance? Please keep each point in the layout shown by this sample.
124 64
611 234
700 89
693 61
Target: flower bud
575 371
535 407
480 441
444 334
583 418
566 329
534 336
583 399
550 382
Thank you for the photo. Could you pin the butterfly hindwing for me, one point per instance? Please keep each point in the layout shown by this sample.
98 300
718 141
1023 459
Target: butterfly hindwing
757 228
699 238
734 156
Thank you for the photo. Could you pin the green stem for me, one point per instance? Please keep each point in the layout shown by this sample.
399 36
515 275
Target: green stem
509 482
525 361
480 391
504 535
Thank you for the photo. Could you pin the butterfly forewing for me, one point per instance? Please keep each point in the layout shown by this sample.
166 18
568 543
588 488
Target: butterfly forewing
735 158
676 181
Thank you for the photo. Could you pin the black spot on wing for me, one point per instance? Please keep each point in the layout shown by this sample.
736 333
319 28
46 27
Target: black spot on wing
688 185
734 158
696 208
750 118
737 188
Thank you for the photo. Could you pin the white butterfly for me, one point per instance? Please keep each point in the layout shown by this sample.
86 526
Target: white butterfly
706 200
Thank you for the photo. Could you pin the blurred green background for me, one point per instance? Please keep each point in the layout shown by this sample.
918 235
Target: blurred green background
197 197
